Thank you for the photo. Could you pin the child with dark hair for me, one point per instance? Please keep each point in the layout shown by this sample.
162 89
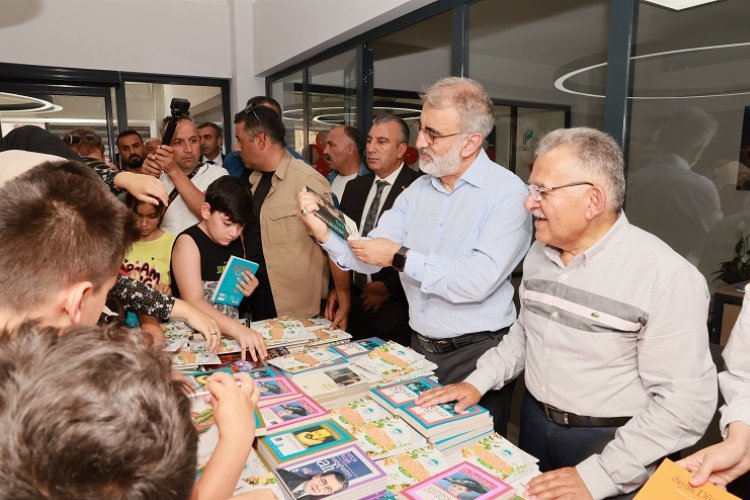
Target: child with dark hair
148 260
201 252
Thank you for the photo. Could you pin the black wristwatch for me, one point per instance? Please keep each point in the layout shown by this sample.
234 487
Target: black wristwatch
399 259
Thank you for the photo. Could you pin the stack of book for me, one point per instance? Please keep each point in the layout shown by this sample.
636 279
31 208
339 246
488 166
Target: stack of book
463 480
307 359
392 362
440 424
357 347
502 459
336 385
284 331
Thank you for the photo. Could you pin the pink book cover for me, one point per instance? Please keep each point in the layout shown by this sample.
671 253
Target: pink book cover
276 389
280 415
461 482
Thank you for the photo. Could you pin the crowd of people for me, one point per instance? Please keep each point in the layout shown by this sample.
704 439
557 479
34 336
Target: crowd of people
610 337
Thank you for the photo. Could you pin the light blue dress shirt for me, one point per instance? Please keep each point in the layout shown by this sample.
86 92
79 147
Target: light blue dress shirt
463 244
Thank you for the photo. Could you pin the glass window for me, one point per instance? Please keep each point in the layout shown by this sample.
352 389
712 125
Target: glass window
414 57
332 101
526 51
688 163
288 92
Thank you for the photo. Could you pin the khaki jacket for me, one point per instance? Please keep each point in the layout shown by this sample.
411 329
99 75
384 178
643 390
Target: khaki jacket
297 266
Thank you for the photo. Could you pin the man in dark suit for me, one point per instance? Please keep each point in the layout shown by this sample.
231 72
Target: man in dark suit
211 141
310 487
376 303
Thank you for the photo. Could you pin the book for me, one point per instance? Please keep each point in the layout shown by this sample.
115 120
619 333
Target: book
441 420
256 475
252 368
226 345
306 360
501 458
337 384
335 219
226 291
358 347
282 331
292 414
358 413
388 436
413 466
392 362
464 481
345 472
198 379
281 447
185 360
402 394
328 336
671 482
276 389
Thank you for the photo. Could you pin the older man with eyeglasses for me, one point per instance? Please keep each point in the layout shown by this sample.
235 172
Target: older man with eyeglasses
293 270
612 333
455 235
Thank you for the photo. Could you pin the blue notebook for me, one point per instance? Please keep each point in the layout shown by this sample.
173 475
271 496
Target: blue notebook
226 290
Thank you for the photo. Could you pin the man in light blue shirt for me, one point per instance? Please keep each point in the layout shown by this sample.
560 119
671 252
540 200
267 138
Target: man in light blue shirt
455 235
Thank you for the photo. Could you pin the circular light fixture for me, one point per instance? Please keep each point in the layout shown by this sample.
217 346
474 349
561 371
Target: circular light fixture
17 103
560 82
335 115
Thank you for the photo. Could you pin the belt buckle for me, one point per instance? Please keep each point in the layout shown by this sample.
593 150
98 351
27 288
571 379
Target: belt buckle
426 344
548 413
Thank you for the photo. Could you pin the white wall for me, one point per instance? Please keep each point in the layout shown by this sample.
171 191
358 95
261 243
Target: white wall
289 31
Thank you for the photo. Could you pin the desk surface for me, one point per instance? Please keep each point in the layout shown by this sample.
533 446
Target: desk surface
735 290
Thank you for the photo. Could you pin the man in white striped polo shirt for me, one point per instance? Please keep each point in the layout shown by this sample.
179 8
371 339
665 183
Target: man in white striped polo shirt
612 333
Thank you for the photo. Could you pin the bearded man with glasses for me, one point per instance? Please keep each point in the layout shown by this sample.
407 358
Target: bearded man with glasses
454 235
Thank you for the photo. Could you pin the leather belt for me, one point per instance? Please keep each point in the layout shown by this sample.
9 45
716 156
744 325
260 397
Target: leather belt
439 346
568 419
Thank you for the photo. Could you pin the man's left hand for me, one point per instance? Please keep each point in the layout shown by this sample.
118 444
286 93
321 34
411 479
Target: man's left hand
373 295
563 484
377 251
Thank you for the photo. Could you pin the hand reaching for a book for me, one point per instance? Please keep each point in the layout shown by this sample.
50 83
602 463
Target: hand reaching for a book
463 393
252 342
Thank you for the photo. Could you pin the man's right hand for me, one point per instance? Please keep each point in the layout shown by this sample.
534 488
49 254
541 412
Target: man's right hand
463 393
337 310
306 205
161 161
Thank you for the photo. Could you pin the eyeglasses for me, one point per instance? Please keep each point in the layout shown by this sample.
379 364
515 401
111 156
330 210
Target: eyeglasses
251 109
537 191
433 136
88 139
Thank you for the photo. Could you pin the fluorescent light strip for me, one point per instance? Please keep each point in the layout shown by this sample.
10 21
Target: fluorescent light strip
679 4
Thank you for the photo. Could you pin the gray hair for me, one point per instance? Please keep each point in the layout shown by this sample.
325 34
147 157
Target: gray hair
404 128
475 109
597 153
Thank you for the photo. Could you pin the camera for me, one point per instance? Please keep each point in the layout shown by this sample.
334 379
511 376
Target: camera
177 107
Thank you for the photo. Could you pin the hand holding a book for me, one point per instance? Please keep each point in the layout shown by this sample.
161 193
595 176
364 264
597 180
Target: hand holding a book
247 283
376 251
307 205
233 399
563 484
463 393
721 463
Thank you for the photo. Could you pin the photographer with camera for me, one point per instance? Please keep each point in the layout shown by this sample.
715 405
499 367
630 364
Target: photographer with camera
183 175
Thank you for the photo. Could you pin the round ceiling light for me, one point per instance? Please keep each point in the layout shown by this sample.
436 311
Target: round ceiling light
17 103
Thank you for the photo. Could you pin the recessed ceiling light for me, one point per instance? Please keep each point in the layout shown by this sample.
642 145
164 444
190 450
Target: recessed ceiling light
679 4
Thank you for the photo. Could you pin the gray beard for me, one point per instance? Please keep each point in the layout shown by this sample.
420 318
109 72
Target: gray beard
441 166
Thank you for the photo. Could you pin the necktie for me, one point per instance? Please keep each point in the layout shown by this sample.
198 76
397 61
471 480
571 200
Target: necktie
211 162
371 219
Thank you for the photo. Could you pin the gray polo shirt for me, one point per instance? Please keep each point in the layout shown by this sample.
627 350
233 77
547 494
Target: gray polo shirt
621 331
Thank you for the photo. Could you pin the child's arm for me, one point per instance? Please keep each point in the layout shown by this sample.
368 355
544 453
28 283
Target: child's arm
233 414
150 327
186 265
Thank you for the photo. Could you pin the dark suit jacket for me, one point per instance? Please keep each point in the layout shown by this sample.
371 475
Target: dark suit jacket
389 318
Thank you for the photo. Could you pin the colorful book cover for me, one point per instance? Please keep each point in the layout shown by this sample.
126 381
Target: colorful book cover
358 413
404 393
463 481
226 291
358 347
257 475
501 458
296 412
387 436
430 417
393 361
198 379
334 218
252 368
413 466
276 389
187 359
282 330
309 359
670 481
327 381
316 322
227 345
332 474
325 335
304 441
